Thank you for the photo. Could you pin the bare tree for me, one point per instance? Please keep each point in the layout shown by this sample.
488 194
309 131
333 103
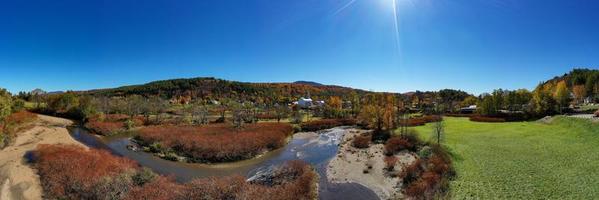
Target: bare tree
281 112
199 113
439 131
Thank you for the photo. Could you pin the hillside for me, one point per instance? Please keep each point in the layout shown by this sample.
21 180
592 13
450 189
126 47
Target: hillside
581 82
212 88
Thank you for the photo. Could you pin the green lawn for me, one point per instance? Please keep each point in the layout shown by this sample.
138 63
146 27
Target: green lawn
523 160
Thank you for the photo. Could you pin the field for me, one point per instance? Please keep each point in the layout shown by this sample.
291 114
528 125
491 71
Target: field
523 160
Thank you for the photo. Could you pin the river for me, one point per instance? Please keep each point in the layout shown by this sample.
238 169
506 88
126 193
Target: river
314 148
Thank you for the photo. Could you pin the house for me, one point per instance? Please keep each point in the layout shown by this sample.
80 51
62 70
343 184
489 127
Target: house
468 110
305 102
319 103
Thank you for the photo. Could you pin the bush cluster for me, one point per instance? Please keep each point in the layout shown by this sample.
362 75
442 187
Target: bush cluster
479 118
408 141
14 123
71 172
420 121
428 178
362 141
322 124
216 142
112 124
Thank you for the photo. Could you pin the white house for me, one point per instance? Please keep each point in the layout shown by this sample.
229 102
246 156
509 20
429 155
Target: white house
304 102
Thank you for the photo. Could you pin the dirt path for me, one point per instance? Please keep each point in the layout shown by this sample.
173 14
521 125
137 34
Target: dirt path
17 179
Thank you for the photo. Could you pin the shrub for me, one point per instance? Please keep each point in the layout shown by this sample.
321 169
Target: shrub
72 172
458 115
390 162
411 172
216 142
420 121
428 179
160 188
20 117
478 118
597 113
396 144
12 124
425 152
322 124
362 141
105 128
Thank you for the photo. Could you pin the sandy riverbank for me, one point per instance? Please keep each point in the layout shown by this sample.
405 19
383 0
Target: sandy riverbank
17 179
349 164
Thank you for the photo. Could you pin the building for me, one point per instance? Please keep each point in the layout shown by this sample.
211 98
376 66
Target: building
305 102
468 110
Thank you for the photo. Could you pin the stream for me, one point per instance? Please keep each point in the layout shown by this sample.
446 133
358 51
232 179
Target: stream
314 148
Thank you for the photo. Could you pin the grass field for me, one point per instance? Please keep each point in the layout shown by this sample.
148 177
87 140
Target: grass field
523 160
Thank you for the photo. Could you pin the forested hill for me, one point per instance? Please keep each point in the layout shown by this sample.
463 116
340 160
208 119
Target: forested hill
581 82
212 88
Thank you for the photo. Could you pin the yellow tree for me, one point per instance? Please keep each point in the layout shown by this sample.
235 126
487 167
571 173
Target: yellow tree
561 94
580 93
335 102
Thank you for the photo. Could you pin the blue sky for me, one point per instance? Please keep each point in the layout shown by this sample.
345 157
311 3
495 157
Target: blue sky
473 45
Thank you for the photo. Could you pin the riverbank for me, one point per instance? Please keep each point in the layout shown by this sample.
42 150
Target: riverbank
366 167
17 179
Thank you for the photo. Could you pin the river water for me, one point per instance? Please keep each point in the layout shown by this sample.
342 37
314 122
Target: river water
315 148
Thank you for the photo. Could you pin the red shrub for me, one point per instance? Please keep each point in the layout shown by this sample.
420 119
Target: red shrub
105 128
266 116
419 121
293 180
217 142
478 118
397 144
111 124
161 188
390 162
20 117
416 189
411 172
362 141
458 115
72 171
326 124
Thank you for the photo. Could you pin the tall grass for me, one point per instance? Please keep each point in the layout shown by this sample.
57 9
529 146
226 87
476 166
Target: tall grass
216 142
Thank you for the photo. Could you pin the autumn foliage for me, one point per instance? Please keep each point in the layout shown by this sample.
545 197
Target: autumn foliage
322 124
362 141
111 124
420 121
71 172
397 144
216 142
428 178
478 118
20 117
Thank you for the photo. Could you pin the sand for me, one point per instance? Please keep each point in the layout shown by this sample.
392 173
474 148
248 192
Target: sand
349 165
17 179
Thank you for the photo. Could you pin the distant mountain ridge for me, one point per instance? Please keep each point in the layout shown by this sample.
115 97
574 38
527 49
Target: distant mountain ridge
213 88
309 83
